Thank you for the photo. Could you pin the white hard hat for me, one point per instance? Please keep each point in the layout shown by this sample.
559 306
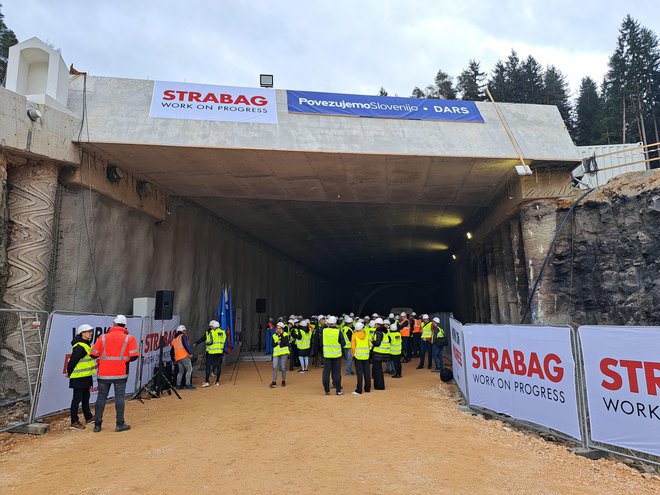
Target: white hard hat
425 317
372 323
84 328
386 321
367 318
436 319
120 320
378 321
296 320
360 320
403 313
397 317
280 325
181 328
413 313
391 315
214 324
321 317
292 317
290 320
348 319
375 315
332 319
393 328
352 315
359 325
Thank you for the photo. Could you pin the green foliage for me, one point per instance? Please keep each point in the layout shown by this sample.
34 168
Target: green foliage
7 39
441 88
382 91
471 81
588 114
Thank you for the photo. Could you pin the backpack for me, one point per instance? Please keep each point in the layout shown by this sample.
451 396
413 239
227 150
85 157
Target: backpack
446 375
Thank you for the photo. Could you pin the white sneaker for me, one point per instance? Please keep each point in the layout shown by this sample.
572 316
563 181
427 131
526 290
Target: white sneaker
355 393
216 384
205 384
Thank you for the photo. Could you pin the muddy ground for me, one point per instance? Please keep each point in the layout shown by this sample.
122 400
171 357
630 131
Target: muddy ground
246 438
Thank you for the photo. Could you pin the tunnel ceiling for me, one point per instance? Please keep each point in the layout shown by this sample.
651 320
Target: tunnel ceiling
375 217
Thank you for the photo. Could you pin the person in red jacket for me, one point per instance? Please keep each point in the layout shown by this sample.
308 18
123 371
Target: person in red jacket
114 350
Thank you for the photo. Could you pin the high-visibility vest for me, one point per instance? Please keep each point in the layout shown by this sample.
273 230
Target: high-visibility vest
441 332
395 343
417 326
279 350
362 348
384 347
114 350
405 331
305 341
215 341
347 344
427 330
85 366
179 349
331 346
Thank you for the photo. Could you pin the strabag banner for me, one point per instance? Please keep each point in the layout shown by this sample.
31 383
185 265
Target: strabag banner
524 371
622 374
385 107
458 356
55 394
149 347
190 101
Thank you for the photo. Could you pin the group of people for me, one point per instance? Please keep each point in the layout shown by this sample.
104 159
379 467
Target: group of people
366 343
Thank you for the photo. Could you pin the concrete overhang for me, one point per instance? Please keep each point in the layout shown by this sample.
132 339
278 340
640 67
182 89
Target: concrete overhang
339 194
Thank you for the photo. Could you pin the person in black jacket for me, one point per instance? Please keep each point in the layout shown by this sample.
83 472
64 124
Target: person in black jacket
80 370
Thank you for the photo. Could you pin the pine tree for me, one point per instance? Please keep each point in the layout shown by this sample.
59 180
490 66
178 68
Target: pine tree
442 87
497 84
418 93
7 40
514 78
470 82
382 91
588 111
531 81
555 92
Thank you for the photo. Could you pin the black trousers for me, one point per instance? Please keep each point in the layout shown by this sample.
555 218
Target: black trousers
213 361
332 365
405 348
396 361
363 375
377 372
416 339
80 395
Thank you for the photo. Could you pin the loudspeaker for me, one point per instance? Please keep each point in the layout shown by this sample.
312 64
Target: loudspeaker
164 305
260 306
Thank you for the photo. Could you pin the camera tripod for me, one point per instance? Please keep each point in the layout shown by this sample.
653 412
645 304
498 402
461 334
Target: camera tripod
238 359
155 386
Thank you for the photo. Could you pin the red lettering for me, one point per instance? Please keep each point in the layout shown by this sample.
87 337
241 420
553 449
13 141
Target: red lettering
66 362
492 359
194 96
225 98
534 366
616 382
519 363
168 94
632 367
182 94
241 100
210 97
556 373
476 363
652 380
506 364
259 101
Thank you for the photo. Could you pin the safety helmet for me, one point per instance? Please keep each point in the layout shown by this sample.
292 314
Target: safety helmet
214 324
391 316
386 321
375 315
296 320
181 328
280 325
436 319
291 320
84 328
119 320
348 319
372 323
403 313
332 320
397 317
321 317
270 319
359 325
352 315
378 321
425 317
413 313
393 328
367 318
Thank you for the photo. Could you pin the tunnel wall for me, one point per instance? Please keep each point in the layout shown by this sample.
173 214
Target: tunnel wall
605 268
192 253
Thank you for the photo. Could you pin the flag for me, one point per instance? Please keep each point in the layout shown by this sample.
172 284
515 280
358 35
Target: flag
230 320
221 315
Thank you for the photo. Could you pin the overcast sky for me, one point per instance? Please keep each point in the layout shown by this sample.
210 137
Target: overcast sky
343 46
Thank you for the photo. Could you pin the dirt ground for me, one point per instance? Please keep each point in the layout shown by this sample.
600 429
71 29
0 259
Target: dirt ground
247 438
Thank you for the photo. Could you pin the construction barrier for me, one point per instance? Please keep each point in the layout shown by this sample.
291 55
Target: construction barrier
457 351
622 379
150 348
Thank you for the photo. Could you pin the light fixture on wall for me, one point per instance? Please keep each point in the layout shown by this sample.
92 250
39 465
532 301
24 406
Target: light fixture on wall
113 173
33 114
468 235
266 80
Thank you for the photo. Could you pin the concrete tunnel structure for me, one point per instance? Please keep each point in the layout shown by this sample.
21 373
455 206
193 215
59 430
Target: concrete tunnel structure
317 213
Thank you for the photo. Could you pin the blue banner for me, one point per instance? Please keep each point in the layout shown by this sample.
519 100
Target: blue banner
383 107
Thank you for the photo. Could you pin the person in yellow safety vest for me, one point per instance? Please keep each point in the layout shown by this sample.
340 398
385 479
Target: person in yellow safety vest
347 330
333 342
280 353
215 340
80 368
303 336
183 356
360 348
371 330
381 354
439 341
395 350
426 343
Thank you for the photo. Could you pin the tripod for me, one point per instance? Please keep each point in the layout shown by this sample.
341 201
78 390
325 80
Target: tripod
238 359
154 387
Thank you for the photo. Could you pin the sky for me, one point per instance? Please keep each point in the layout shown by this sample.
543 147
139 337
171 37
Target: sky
338 46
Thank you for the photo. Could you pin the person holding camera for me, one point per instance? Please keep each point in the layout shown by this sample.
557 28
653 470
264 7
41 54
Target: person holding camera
280 353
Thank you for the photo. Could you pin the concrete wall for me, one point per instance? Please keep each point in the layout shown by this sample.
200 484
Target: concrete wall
192 252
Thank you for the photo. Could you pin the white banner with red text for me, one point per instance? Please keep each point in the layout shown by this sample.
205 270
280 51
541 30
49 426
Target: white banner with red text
54 394
458 356
191 101
524 371
622 375
150 348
